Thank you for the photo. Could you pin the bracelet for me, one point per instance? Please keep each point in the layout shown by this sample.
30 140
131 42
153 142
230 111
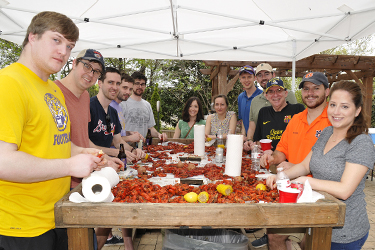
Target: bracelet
250 140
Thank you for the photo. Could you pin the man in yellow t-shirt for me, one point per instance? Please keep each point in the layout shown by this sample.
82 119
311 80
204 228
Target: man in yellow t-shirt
35 147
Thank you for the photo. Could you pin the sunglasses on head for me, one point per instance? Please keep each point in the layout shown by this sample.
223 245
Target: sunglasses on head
108 123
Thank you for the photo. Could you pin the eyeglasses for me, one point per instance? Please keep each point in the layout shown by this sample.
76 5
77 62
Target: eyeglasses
272 92
88 68
138 83
108 123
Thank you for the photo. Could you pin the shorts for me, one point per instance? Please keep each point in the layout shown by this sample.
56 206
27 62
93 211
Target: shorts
295 234
355 245
55 239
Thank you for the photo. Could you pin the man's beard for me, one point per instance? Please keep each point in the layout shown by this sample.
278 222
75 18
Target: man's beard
125 98
318 102
138 94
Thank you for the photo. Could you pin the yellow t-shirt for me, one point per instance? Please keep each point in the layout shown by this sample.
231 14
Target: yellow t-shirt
35 118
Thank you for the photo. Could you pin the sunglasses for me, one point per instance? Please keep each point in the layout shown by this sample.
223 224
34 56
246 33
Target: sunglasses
108 123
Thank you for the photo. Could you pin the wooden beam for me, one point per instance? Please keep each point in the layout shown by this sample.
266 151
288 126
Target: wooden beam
354 77
215 72
232 82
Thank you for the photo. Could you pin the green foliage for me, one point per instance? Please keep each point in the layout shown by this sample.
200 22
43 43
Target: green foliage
357 47
9 53
153 101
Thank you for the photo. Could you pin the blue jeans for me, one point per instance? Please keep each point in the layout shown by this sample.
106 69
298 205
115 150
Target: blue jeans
355 245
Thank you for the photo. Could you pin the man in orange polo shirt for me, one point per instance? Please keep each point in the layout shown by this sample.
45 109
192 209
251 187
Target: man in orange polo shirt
298 138
304 128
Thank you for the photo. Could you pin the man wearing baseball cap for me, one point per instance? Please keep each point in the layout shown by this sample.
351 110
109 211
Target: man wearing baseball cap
272 120
297 140
247 78
263 74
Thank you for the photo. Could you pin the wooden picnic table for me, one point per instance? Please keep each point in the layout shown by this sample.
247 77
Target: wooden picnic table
318 218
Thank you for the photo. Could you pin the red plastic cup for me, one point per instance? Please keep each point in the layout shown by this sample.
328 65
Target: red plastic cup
265 144
288 195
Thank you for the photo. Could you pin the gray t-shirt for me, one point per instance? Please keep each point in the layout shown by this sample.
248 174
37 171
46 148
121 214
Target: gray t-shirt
331 166
138 115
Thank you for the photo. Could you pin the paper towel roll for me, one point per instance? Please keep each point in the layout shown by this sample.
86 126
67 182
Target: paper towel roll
199 139
234 155
97 186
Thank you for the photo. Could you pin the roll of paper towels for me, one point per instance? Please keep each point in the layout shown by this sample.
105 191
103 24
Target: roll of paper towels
233 161
199 139
97 187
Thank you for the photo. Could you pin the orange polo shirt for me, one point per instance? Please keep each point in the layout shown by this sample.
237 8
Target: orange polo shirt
299 137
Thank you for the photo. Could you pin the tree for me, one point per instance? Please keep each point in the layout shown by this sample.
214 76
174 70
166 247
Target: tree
153 101
9 53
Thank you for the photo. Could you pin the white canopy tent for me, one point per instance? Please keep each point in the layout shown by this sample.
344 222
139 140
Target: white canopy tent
237 30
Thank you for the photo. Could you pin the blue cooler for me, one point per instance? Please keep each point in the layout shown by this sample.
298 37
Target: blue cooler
371 132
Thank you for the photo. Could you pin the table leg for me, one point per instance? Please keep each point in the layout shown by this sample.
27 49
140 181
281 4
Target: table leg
318 238
80 239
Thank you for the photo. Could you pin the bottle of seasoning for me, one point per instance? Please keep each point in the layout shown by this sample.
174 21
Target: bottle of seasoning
121 155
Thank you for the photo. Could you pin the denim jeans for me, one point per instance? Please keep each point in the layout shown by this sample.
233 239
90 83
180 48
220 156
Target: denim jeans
355 245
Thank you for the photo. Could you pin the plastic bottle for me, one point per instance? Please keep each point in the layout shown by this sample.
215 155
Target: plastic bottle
140 144
219 157
121 155
219 139
282 180
255 158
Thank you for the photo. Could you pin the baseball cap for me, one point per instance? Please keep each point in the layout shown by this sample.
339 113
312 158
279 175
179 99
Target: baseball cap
263 66
247 69
317 78
92 55
275 82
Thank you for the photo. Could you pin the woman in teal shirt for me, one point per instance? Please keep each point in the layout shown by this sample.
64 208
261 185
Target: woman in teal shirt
191 115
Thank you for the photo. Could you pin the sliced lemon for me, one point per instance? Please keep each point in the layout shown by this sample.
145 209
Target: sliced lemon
209 138
146 156
203 197
261 186
221 146
191 197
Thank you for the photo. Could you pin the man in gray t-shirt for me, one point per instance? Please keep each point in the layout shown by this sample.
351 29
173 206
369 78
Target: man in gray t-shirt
138 112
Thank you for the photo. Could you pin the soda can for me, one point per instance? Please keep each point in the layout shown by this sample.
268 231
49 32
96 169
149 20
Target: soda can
298 186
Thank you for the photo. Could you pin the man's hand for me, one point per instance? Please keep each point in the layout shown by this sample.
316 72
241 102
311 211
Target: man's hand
135 137
140 153
83 165
248 145
130 156
163 137
266 158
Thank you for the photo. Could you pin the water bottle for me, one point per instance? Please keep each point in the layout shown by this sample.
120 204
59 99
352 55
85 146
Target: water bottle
282 180
219 157
255 158
219 139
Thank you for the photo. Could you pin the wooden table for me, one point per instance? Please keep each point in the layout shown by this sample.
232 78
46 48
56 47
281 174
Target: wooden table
318 218
81 218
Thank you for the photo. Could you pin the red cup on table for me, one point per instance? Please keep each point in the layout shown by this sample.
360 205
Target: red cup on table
288 195
265 144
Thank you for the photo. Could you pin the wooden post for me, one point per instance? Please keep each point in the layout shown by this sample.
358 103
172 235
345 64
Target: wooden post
367 105
80 238
318 238
223 80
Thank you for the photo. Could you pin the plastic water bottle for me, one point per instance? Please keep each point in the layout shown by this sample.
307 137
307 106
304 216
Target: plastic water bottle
219 157
282 180
255 158
219 139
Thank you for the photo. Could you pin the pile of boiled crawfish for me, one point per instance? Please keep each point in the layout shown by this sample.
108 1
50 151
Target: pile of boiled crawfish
141 190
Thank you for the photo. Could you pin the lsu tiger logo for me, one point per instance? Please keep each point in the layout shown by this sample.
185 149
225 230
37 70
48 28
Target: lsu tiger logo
58 111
